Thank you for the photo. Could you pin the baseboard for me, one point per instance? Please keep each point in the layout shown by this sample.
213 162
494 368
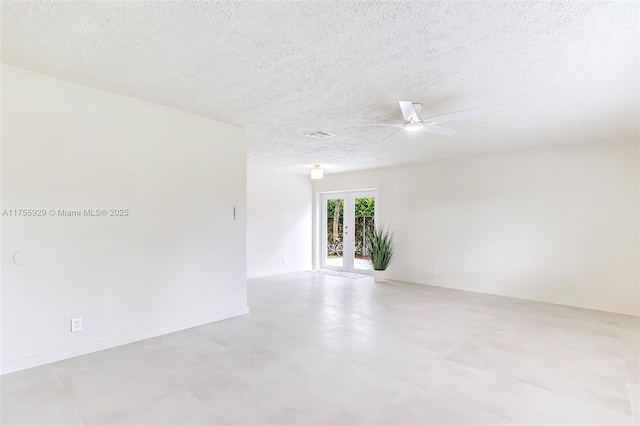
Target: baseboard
280 271
530 297
87 348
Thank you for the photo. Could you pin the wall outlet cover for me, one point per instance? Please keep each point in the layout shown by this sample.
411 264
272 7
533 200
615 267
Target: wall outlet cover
76 325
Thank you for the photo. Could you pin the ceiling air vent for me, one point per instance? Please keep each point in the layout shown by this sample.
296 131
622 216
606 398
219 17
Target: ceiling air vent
320 134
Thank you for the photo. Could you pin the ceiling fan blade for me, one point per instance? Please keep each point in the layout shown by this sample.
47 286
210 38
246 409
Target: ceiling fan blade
418 108
409 111
454 116
386 137
438 130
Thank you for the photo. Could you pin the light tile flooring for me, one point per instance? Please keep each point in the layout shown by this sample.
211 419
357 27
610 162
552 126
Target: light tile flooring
327 350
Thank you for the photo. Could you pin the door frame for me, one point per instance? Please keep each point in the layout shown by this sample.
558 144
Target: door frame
349 223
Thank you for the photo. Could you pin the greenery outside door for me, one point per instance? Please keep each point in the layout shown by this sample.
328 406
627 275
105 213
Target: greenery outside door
347 219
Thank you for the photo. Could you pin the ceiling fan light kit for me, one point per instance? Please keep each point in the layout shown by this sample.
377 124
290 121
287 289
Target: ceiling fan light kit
413 127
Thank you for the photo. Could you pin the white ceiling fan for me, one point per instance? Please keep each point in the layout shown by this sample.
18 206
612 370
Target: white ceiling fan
413 121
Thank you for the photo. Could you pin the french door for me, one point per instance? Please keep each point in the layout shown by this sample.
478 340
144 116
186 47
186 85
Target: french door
347 220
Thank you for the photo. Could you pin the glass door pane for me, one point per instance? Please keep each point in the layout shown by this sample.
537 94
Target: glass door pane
334 253
364 215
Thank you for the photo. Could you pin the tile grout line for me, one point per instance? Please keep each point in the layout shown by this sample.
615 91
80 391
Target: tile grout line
296 341
66 394
509 308
634 416
483 326
444 358
183 387
407 384
505 308
296 315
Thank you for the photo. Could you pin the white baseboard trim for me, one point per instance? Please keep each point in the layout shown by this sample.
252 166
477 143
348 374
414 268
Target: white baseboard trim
87 348
280 271
531 297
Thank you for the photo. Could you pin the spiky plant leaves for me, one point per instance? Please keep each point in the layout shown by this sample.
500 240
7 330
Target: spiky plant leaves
381 246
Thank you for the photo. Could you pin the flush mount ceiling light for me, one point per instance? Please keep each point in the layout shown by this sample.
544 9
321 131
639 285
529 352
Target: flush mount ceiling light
317 172
320 134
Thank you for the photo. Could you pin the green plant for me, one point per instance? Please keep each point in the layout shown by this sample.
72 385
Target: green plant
381 246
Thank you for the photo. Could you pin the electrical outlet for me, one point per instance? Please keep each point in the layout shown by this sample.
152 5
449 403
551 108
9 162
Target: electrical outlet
76 325
283 262
436 271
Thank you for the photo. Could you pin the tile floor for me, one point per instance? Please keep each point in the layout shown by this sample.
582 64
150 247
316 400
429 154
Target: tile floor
327 350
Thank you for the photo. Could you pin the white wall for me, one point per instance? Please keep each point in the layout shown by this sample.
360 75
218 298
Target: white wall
557 225
177 260
279 225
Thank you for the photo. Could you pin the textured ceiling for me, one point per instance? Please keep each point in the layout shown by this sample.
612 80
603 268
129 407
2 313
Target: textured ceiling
547 72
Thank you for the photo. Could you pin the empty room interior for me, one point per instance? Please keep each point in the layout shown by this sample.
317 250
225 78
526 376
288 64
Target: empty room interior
320 213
